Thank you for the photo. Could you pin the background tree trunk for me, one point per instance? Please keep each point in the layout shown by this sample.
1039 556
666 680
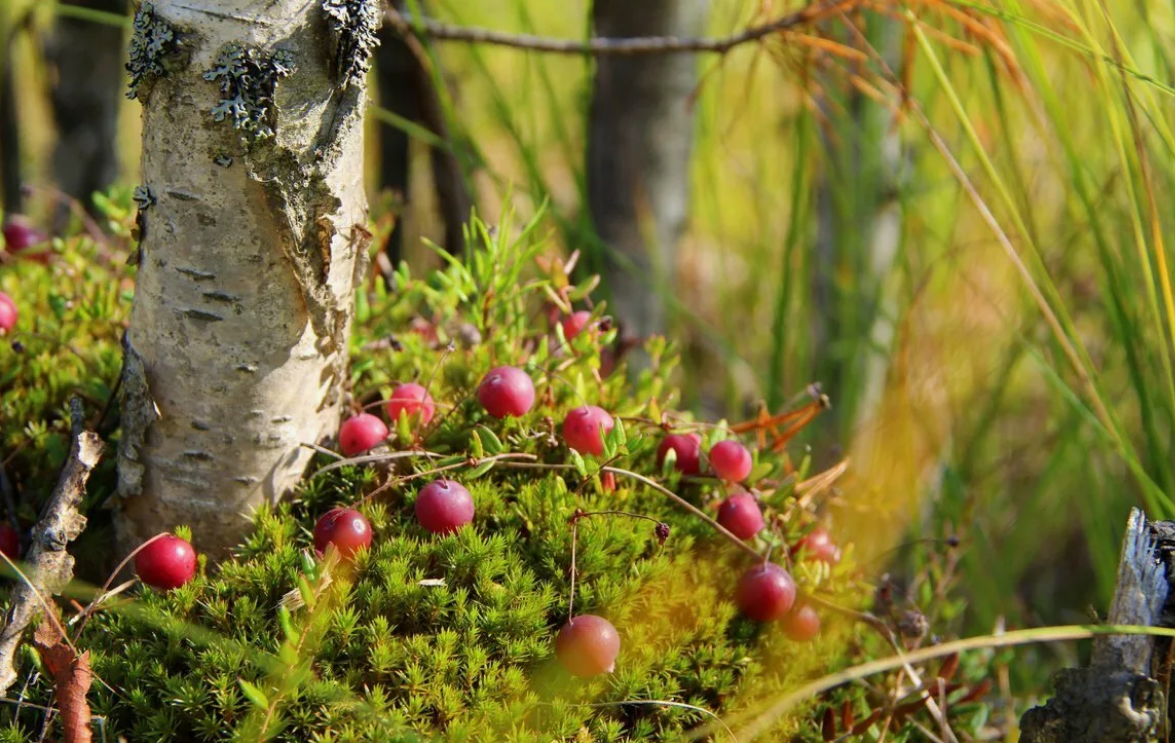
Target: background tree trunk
859 233
406 89
254 215
638 155
13 200
87 62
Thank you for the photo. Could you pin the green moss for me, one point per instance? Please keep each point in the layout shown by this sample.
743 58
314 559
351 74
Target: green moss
451 638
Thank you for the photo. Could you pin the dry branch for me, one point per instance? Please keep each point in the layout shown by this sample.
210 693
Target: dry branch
50 566
808 15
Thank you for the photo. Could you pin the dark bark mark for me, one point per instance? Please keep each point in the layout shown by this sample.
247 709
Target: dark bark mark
639 142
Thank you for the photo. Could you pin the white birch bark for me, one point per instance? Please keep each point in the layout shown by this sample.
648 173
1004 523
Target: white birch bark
253 215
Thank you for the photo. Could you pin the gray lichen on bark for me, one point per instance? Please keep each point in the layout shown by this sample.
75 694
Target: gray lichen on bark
244 295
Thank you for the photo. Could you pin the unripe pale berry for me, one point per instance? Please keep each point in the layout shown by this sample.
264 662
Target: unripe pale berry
9 541
730 461
444 506
166 563
8 313
412 399
587 646
802 623
506 390
582 429
345 528
574 323
360 433
818 545
688 449
765 592
741 515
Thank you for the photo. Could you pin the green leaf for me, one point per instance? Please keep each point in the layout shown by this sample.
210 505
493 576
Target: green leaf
253 694
580 465
480 469
492 443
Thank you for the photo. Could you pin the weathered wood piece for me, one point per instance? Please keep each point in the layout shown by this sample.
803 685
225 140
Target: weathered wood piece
1118 698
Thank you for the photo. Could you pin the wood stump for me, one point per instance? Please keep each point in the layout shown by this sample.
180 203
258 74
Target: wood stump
1121 696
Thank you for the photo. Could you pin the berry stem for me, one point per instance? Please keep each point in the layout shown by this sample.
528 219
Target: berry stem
471 462
373 458
88 611
571 600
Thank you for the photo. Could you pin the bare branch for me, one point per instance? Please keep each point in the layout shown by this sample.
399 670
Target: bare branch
50 565
816 11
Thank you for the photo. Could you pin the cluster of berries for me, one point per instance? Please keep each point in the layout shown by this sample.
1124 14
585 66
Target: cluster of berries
587 644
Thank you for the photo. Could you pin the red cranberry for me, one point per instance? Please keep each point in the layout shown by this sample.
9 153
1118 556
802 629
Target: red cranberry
802 623
587 646
8 313
741 516
444 506
345 528
360 433
412 399
688 447
166 563
582 429
730 461
818 545
574 323
765 592
20 235
506 390
9 541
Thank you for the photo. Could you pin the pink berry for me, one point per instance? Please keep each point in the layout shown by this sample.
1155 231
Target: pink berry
802 623
818 545
166 563
741 515
574 323
506 390
688 447
360 433
345 528
412 399
765 592
582 429
730 461
444 506
587 646
8 313
20 235
9 541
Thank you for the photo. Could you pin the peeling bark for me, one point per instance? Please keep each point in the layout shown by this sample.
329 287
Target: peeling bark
640 137
254 243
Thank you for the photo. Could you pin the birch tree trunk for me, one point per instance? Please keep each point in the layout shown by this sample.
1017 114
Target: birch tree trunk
88 67
253 239
640 138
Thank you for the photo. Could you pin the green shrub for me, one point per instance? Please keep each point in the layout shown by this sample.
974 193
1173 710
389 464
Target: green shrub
451 637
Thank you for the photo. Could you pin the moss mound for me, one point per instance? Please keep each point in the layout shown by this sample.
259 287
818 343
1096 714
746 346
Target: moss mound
427 637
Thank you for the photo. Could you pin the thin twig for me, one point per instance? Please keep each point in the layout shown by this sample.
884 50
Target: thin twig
51 564
606 46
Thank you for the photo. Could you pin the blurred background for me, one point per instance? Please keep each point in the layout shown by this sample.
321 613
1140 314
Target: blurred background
953 214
